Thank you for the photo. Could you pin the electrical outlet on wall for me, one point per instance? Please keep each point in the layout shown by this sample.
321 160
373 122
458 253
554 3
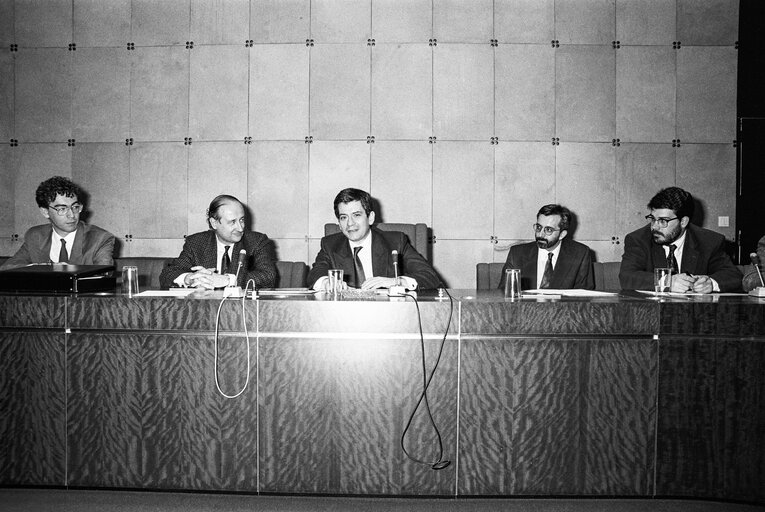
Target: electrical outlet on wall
723 222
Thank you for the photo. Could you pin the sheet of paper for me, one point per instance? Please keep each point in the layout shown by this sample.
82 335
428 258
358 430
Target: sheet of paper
577 292
172 292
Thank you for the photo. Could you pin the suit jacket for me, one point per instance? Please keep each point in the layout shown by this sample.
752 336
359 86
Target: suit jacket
336 253
201 249
751 277
572 270
92 246
703 254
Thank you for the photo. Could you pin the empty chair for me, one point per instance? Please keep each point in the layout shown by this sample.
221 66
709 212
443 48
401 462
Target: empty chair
291 274
488 275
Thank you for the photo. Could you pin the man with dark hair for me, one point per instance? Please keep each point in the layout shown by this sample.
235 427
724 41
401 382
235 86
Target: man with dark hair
64 239
209 259
695 254
552 260
364 252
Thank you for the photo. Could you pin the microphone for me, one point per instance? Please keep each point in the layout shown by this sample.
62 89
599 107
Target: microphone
236 290
397 290
240 263
756 264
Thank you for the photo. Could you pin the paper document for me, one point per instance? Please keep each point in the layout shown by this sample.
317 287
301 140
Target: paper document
576 292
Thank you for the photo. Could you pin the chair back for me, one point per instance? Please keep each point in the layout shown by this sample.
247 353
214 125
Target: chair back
417 233
606 276
291 274
488 275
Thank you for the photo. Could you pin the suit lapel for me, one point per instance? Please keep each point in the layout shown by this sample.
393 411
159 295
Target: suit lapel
380 255
562 267
657 255
75 253
690 253
529 269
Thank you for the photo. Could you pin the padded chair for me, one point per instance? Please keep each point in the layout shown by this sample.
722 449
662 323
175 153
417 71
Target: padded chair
606 276
488 275
291 274
417 233
149 269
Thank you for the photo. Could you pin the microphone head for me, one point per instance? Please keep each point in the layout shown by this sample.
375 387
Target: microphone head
394 253
755 259
243 252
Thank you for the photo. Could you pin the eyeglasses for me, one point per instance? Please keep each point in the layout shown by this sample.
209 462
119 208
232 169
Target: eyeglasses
547 229
61 210
661 221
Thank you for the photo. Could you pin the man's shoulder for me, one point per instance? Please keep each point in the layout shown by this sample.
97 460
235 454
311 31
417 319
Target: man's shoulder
574 247
39 231
704 235
524 248
93 230
254 236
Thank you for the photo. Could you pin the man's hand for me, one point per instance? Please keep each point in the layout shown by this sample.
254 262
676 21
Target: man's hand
378 282
703 284
202 277
682 283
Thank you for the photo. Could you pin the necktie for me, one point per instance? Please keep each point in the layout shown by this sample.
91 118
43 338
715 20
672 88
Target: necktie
547 276
671 260
225 261
358 271
63 256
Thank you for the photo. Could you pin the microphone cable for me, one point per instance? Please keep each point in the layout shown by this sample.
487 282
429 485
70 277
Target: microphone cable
246 337
439 463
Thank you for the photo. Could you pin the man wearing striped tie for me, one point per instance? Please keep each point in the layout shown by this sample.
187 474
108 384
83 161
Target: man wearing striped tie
65 238
210 259
553 260
696 255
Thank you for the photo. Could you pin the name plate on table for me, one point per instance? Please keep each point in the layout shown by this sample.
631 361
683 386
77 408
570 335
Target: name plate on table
58 278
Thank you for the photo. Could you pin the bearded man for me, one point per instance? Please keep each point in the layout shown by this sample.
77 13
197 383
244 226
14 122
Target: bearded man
552 260
696 255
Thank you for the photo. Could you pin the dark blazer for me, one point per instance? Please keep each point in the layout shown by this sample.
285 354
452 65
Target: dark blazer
751 277
703 254
92 246
572 270
336 253
201 249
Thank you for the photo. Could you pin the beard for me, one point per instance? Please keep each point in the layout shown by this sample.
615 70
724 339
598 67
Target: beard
668 238
542 243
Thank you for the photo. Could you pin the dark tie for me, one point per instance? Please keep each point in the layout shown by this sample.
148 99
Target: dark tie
63 256
225 261
671 260
547 276
358 270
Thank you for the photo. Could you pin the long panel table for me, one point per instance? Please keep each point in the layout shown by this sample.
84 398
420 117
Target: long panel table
610 396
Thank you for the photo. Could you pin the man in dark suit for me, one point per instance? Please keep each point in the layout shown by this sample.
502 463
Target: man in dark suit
364 253
752 278
64 239
695 254
552 260
209 259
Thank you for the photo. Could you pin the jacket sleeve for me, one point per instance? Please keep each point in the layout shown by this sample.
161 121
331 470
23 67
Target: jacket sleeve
262 264
104 253
417 267
178 266
722 269
19 259
633 272
584 278
321 266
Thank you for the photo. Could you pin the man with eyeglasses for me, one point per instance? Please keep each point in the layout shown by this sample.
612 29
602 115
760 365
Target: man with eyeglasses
552 260
696 255
64 239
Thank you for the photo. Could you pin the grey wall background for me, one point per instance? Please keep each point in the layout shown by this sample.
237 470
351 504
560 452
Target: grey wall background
469 135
